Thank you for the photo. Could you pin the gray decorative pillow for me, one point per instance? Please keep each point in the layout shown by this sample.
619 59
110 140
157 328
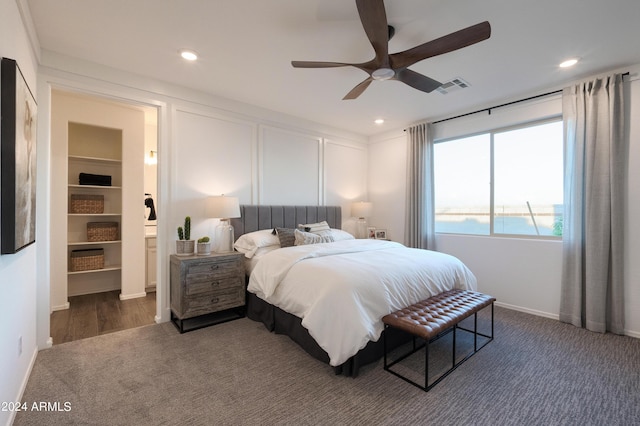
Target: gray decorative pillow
286 236
303 238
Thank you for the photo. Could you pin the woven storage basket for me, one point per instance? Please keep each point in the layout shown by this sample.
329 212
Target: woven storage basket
87 204
87 260
102 231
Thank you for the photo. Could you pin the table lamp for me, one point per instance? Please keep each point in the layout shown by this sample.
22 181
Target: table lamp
223 208
361 210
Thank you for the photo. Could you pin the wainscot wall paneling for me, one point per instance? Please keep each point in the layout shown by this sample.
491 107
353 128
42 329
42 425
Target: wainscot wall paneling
345 177
213 155
290 170
345 174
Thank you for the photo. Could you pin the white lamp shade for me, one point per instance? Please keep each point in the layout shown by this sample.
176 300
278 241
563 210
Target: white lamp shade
221 207
361 209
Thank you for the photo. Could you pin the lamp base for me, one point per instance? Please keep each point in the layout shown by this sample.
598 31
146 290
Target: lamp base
361 228
224 237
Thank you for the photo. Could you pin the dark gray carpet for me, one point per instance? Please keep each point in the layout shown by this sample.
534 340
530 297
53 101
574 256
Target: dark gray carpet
535 372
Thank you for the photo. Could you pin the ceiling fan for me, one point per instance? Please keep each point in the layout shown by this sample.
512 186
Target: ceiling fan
394 66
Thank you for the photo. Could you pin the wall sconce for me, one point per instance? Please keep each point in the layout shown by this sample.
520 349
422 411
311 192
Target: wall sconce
361 210
151 158
223 208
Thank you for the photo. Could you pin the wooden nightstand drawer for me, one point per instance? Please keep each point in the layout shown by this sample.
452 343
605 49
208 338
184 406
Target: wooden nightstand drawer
212 283
222 274
213 302
223 267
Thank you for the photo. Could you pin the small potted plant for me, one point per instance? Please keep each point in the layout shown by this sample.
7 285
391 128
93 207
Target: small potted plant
185 245
204 246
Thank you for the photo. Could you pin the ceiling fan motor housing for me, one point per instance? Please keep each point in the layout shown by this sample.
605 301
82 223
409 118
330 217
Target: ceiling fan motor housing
385 66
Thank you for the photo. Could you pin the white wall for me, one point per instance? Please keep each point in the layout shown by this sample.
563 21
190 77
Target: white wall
522 274
387 184
18 278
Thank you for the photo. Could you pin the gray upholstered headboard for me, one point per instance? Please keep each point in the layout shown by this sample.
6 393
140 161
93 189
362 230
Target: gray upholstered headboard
254 218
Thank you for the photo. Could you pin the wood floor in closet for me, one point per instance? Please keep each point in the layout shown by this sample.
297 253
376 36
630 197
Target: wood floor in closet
100 313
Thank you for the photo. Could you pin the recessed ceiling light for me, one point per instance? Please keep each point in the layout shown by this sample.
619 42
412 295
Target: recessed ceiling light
379 121
189 55
569 63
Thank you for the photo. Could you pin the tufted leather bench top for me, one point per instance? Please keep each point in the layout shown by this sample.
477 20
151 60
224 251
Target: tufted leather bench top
428 318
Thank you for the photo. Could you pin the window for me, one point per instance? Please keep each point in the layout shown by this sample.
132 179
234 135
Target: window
506 182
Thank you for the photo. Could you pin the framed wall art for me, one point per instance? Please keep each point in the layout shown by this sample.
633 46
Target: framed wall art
18 112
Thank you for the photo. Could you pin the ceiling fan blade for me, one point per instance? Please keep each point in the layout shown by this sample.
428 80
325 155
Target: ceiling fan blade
449 43
374 22
357 91
417 81
314 64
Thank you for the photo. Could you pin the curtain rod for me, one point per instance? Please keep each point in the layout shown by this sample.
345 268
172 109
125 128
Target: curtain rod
505 104
530 98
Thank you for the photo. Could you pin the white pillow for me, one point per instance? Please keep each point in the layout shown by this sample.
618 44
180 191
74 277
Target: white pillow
340 235
304 238
250 242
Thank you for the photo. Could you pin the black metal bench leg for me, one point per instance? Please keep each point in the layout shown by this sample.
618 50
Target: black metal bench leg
426 365
492 321
475 332
453 352
384 342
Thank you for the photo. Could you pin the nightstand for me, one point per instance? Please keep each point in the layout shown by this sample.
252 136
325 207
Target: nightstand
206 290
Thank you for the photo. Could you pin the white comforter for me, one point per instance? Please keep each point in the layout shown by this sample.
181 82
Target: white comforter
342 290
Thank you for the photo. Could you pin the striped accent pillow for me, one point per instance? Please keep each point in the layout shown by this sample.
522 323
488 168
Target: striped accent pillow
304 238
315 227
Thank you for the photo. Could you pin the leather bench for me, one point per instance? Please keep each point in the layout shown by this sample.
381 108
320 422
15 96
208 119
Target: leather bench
433 318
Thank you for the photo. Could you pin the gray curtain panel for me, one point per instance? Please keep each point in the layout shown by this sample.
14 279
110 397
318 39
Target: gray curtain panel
420 211
595 168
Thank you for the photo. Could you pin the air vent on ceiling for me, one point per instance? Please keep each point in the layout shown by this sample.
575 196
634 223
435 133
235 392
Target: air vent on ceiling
452 86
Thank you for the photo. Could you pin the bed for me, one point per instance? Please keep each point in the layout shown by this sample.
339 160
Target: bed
329 296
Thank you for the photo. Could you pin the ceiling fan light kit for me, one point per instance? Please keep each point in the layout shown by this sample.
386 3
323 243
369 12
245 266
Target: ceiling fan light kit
394 66
382 74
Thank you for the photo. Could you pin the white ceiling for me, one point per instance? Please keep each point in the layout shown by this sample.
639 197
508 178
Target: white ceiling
246 47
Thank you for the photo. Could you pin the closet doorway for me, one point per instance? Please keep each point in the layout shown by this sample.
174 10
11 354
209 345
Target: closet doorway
104 192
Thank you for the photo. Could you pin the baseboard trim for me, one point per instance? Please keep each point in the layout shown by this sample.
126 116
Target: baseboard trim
629 333
23 386
60 308
132 296
528 311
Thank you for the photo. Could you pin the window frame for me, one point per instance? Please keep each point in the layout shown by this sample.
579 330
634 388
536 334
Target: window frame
491 132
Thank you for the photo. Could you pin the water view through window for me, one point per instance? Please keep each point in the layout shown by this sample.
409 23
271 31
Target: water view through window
526 165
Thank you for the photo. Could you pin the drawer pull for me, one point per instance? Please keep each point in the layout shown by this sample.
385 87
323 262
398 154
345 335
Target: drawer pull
214 267
215 284
215 300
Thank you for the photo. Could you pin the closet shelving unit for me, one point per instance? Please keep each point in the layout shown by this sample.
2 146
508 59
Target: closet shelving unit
95 150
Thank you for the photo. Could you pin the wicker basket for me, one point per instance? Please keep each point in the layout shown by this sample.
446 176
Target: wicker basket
87 204
87 260
102 231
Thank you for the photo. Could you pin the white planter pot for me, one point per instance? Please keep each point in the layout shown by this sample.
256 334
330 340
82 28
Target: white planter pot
185 247
204 249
